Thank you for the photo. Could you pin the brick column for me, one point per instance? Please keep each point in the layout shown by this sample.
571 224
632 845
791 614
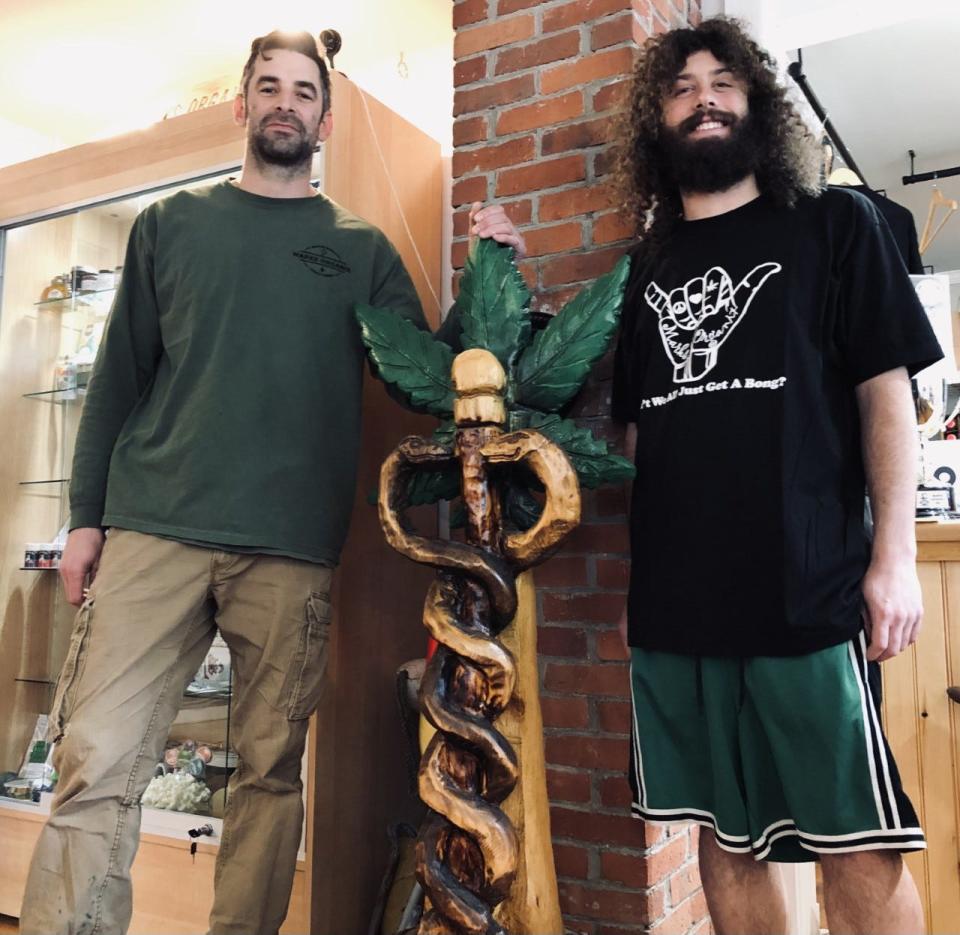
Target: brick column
538 85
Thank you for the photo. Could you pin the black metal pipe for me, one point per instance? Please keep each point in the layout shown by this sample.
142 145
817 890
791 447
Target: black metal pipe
795 70
931 176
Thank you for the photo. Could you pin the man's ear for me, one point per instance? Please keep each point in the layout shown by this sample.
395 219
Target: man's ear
239 110
326 126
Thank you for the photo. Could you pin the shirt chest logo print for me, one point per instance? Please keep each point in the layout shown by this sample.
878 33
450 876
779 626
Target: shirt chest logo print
323 261
696 318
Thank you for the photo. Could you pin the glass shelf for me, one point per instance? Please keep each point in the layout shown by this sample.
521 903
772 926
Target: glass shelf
32 483
199 695
58 396
28 568
78 299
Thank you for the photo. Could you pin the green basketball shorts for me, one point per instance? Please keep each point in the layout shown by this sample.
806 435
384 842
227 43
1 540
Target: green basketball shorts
782 756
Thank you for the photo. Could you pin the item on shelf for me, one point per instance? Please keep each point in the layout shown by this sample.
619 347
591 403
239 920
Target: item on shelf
171 760
45 554
59 288
83 376
37 750
934 501
223 760
188 756
213 677
178 792
65 377
106 279
89 342
37 770
18 789
195 767
82 278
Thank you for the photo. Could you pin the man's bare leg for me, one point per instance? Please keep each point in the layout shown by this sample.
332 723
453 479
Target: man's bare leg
745 896
870 891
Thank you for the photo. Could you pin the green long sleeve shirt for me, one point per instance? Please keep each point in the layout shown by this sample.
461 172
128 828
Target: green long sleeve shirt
224 405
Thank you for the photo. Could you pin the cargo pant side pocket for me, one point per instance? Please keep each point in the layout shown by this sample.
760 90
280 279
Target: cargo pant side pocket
303 685
65 694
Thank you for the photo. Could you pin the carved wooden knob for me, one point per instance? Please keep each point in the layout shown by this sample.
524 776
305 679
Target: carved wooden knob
479 380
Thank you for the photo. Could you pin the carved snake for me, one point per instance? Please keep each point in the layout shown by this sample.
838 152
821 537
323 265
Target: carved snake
469 768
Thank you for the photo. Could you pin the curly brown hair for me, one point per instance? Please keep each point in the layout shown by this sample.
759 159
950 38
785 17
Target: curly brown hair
789 165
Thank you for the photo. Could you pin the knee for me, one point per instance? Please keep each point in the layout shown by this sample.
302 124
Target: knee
712 855
876 866
273 763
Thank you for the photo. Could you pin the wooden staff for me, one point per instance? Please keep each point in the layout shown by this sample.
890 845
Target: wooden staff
468 852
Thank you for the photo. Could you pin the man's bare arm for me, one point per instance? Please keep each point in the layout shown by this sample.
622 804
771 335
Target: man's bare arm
891 590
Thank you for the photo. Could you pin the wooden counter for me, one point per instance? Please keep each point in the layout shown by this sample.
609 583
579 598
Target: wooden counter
938 541
922 723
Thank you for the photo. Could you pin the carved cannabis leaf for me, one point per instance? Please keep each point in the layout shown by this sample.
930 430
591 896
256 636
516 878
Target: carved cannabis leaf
493 303
591 457
554 367
413 360
493 311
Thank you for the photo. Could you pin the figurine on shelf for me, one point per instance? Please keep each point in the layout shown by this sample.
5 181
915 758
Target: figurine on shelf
183 766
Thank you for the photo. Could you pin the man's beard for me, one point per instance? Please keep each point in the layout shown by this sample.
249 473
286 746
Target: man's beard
712 164
285 150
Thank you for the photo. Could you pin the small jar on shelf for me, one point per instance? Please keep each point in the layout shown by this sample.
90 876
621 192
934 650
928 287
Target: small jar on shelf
59 288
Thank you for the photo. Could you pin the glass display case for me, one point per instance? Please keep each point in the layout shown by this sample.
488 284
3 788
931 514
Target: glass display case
60 277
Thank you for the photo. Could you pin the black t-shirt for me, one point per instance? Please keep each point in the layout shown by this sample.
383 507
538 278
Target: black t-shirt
902 227
742 342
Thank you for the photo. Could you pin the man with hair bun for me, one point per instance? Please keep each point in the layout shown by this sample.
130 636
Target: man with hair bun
218 449
763 372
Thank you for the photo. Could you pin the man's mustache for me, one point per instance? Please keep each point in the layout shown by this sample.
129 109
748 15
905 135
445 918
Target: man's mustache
286 121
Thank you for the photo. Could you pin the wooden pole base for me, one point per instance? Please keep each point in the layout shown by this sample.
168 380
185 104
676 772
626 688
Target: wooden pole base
533 907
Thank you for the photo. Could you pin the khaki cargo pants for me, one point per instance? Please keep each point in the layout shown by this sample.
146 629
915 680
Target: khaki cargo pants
138 640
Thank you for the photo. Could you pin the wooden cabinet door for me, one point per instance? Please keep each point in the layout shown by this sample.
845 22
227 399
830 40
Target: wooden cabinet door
921 725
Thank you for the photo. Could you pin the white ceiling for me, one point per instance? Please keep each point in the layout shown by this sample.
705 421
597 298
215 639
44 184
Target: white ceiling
76 70
890 90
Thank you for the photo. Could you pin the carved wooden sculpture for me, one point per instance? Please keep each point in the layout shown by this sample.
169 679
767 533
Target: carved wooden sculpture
502 453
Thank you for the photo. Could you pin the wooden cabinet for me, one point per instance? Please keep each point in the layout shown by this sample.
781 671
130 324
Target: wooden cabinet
923 725
388 172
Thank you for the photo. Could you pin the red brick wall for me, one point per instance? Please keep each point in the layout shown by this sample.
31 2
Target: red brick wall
537 88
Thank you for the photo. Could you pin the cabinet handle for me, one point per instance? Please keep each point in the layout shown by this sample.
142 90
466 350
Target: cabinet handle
953 692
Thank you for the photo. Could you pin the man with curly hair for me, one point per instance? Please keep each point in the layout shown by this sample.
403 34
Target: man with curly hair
770 330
